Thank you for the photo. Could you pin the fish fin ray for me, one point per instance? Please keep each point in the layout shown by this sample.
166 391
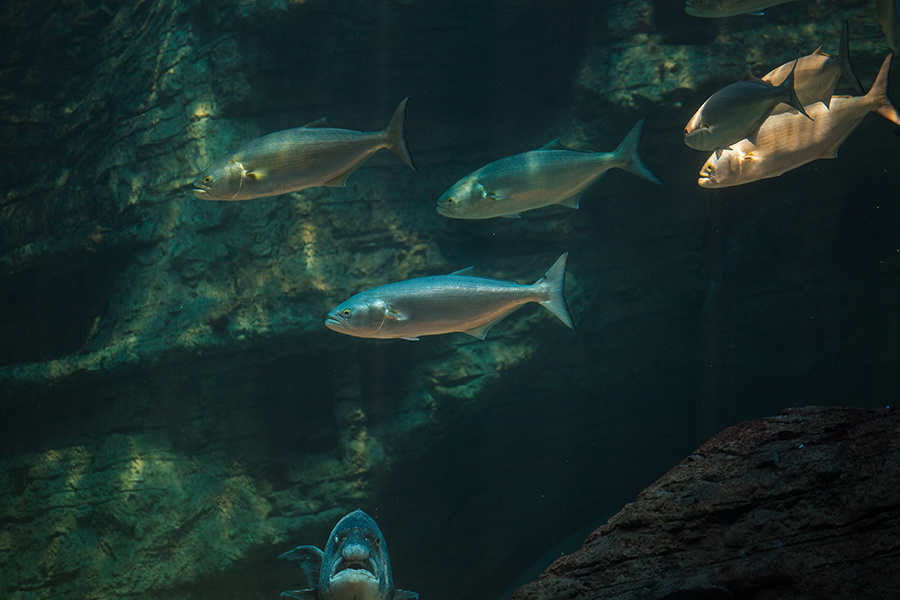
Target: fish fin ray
878 93
512 216
627 151
415 339
405 595
554 145
308 594
310 559
321 122
553 284
468 272
843 59
341 180
572 201
396 135
481 331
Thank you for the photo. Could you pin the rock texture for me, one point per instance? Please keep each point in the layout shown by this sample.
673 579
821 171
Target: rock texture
804 506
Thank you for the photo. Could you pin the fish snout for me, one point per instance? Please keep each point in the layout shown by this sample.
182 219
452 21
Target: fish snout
355 554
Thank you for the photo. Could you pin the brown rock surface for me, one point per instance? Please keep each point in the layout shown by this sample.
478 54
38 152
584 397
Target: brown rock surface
803 505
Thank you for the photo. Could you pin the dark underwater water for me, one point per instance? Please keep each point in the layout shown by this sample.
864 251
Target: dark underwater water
695 309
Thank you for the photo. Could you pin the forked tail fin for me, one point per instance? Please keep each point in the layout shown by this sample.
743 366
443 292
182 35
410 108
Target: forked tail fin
397 136
628 152
553 283
878 93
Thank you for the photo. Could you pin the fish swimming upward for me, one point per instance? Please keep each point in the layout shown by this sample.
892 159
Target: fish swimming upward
789 140
354 566
817 74
295 159
727 8
736 112
458 302
553 174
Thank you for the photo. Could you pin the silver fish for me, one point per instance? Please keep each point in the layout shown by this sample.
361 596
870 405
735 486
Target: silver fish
354 566
295 159
736 112
886 12
553 174
817 74
788 140
727 8
459 302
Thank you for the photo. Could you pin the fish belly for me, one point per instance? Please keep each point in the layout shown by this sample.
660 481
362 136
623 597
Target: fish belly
448 304
789 140
535 181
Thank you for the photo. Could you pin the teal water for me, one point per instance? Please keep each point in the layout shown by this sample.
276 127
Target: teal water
175 412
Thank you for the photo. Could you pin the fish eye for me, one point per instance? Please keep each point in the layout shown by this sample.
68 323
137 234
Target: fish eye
207 179
345 313
451 200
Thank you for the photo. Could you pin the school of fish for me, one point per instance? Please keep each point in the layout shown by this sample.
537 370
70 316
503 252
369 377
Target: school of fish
755 129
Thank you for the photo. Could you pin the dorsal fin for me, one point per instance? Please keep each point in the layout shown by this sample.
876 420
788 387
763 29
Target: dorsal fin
320 122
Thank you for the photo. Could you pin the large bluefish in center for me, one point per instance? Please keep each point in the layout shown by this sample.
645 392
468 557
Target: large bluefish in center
553 174
458 302
354 566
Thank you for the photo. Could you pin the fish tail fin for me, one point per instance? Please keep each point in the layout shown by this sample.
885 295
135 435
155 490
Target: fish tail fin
791 98
553 284
628 153
878 93
396 135
844 60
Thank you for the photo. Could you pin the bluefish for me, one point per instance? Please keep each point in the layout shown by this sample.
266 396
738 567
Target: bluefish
553 174
817 74
354 566
295 159
788 140
459 302
736 112
727 8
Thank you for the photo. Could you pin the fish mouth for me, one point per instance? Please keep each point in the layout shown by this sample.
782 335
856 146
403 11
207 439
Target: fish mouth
201 191
334 322
364 566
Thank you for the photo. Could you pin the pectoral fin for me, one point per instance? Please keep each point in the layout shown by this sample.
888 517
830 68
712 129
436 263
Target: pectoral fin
392 314
255 174
404 595
512 216
719 152
310 559
487 194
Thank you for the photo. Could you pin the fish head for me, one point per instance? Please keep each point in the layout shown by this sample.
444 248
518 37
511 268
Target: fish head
356 562
461 200
222 181
723 170
360 316
696 132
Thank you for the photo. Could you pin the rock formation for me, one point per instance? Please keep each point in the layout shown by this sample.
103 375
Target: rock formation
803 506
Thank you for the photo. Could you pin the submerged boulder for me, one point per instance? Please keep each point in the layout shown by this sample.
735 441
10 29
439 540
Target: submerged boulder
803 505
